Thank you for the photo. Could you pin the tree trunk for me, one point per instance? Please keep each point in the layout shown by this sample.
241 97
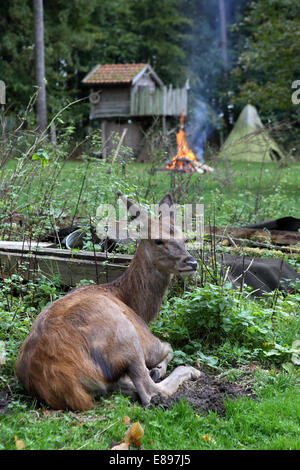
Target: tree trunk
224 52
41 105
223 27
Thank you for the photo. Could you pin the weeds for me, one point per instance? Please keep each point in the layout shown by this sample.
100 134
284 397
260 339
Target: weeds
216 326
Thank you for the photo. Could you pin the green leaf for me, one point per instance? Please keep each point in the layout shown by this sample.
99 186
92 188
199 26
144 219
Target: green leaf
295 356
289 367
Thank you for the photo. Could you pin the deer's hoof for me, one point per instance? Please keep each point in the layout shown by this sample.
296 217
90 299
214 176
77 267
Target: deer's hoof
155 374
195 374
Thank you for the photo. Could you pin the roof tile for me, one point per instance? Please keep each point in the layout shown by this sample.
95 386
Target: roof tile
113 73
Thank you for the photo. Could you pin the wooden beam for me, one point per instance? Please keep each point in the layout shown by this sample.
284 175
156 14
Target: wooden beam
280 237
71 267
47 249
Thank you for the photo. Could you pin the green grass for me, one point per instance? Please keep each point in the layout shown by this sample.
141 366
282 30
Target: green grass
270 422
236 193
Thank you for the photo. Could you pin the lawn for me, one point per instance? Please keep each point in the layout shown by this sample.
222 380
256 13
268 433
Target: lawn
236 193
271 422
241 190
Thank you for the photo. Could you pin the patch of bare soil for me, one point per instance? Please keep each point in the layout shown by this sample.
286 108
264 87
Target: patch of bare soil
206 393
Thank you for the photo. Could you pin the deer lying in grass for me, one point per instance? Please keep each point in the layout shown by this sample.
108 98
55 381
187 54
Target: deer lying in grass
96 338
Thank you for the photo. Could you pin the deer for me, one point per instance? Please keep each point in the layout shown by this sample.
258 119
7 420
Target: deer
96 338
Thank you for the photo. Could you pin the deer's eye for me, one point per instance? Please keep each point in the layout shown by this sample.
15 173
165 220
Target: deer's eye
158 242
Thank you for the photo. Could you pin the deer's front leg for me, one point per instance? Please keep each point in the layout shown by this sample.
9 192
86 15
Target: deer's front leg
179 375
159 372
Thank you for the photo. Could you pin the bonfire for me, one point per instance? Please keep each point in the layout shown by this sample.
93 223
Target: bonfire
185 159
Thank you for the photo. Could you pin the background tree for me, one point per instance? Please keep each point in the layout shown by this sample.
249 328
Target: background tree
210 94
180 38
17 54
269 63
41 103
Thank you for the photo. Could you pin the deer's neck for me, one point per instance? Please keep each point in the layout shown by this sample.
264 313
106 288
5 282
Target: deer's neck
142 287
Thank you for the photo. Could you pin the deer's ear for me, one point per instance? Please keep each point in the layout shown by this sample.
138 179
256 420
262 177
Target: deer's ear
135 213
167 199
133 210
167 209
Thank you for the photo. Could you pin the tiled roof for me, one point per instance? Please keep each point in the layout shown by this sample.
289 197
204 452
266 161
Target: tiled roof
113 73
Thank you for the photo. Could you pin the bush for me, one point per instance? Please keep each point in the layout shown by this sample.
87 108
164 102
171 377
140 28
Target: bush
218 320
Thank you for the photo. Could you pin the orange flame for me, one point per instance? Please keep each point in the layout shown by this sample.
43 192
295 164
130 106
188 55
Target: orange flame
184 154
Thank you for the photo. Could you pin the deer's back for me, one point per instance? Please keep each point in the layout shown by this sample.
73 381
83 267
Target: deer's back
75 339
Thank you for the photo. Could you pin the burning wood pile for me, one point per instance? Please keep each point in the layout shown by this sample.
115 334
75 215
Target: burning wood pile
185 160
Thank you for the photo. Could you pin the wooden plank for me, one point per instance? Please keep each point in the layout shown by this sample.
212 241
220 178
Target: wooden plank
133 98
109 113
165 101
11 245
70 270
44 249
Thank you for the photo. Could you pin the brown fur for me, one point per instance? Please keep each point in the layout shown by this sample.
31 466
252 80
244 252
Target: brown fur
96 338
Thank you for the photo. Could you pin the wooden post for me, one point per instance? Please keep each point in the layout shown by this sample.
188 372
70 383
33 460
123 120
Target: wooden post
119 145
2 93
104 138
2 103
164 125
53 134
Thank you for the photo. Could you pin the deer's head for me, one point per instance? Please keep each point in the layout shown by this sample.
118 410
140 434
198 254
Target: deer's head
164 244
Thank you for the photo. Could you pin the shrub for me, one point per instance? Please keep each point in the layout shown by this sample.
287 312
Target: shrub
215 319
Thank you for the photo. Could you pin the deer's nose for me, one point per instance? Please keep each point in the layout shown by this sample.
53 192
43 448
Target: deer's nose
192 263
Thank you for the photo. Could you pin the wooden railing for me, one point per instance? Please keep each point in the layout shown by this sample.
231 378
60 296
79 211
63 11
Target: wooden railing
164 101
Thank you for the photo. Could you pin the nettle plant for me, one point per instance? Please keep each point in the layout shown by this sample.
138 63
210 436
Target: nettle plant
216 325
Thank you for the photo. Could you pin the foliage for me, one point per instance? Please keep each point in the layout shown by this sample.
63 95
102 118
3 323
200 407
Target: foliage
179 38
43 184
143 31
37 192
77 37
216 325
268 64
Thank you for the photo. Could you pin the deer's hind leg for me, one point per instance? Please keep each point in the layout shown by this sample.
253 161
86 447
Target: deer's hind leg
138 382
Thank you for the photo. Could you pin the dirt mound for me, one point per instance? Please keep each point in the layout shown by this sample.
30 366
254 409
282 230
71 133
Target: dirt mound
206 393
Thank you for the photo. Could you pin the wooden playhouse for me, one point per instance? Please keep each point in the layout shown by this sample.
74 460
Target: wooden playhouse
125 98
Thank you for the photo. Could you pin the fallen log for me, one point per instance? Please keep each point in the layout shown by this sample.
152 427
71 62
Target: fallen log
275 237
